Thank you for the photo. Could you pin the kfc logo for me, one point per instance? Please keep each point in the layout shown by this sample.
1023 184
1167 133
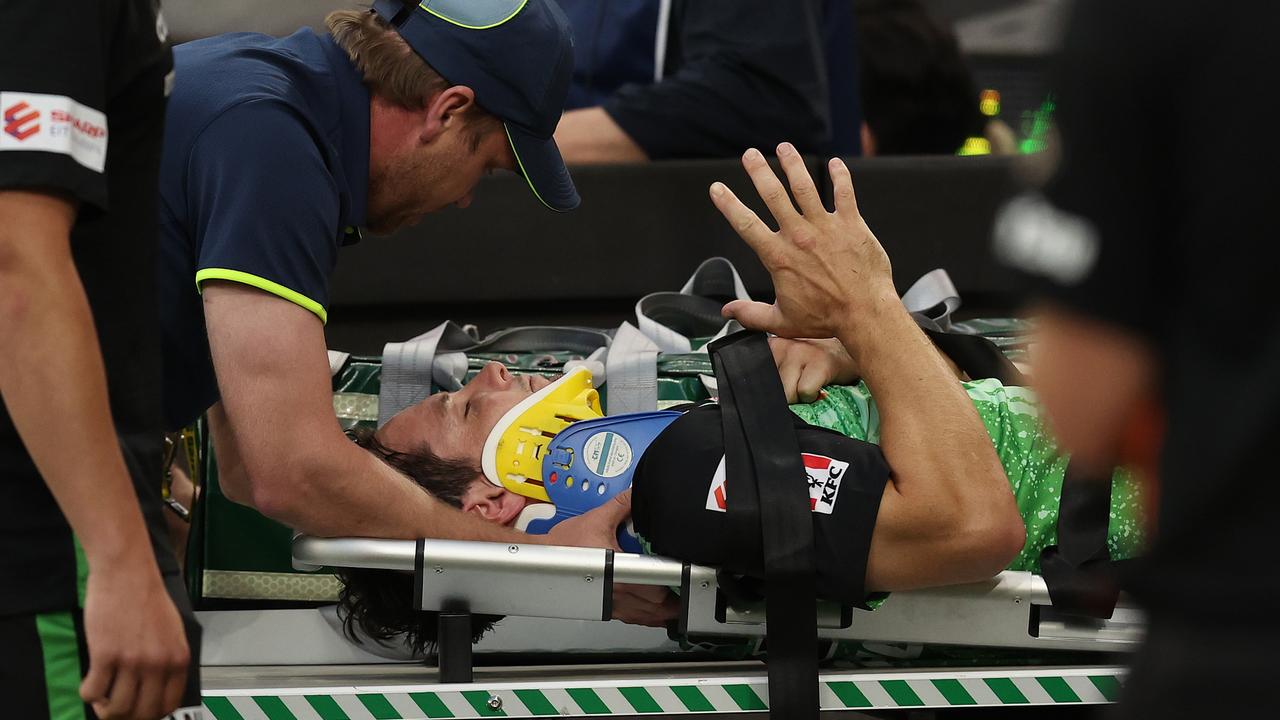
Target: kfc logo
56 124
21 120
823 476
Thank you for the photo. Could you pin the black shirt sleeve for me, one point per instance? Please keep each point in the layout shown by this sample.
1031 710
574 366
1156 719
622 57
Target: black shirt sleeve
53 129
746 73
1093 242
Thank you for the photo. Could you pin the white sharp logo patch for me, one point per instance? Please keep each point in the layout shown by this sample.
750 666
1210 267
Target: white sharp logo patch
56 124
822 474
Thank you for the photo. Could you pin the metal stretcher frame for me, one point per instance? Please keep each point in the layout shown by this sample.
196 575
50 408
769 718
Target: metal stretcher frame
1012 610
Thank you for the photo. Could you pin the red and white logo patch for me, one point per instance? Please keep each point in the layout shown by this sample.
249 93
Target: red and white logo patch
823 475
21 121
56 124
716 499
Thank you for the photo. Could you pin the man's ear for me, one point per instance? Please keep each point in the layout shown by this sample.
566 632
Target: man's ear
445 110
483 499
484 509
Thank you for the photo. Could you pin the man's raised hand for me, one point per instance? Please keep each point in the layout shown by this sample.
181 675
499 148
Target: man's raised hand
827 267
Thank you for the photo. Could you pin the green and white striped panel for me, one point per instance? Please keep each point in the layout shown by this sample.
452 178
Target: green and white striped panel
631 697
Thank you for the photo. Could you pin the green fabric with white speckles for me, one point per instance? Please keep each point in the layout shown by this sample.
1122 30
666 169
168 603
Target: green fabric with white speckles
1030 457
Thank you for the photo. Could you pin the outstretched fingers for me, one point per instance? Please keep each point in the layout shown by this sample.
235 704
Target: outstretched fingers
842 185
770 188
741 218
802 187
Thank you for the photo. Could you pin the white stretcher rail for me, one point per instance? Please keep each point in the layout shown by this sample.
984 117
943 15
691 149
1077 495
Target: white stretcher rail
1011 610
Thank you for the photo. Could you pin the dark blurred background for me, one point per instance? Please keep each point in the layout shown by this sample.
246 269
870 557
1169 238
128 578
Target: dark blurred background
1006 43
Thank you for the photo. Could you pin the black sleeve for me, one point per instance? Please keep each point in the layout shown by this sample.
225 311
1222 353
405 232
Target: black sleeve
53 129
740 73
1090 240
680 497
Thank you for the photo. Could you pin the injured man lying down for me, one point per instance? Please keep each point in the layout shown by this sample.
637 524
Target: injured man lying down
918 475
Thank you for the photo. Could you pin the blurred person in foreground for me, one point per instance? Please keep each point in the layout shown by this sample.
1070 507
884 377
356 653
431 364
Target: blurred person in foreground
94 620
1154 258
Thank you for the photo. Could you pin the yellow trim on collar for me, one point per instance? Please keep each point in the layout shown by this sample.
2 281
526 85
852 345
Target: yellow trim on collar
274 288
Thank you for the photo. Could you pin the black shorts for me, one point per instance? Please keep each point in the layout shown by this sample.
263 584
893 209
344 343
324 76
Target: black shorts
44 658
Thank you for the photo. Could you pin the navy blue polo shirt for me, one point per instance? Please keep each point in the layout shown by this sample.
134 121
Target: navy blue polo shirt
264 177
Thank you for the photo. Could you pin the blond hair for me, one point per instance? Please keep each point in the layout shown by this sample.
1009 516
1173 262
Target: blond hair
392 70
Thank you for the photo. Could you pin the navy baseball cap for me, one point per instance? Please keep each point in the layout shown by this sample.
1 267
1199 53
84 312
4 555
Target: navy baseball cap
517 55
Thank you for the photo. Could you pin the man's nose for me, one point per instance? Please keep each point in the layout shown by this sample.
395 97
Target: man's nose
496 373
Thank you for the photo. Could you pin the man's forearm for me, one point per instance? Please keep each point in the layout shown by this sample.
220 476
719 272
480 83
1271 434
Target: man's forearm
948 515
590 136
47 340
276 429
349 492
929 426
344 491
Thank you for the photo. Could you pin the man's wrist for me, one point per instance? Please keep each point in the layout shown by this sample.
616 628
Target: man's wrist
874 327
121 558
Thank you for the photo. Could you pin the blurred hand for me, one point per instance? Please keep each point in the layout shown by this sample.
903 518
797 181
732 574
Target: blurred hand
805 366
138 650
635 604
828 269
644 605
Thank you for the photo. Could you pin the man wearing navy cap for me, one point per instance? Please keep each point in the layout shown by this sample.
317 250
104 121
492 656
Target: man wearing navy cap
276 150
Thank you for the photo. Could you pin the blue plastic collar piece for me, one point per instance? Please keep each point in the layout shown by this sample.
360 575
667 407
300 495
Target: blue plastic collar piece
593 460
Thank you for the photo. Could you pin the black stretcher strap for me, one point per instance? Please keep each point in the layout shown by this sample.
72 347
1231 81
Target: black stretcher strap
1078 570
767 492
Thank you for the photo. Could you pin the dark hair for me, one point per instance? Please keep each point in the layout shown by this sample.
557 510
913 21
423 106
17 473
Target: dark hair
380 602
918 95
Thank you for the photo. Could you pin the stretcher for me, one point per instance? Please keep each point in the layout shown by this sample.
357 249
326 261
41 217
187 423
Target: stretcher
295 663
1011 610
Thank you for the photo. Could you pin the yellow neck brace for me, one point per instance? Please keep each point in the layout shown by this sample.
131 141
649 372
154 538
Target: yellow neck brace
513 453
